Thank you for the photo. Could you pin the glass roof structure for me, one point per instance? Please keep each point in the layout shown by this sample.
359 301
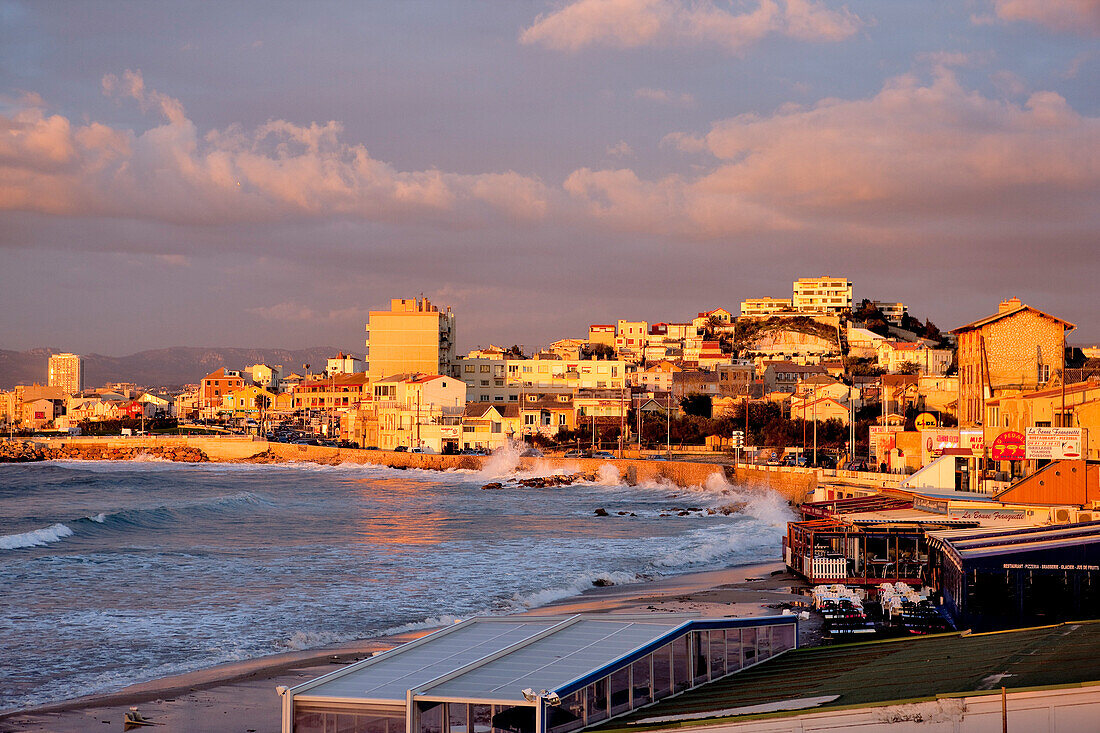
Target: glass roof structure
533 674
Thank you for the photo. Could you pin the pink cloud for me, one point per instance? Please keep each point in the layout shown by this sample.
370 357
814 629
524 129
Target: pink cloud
638 23
1078 16
279 169
926 152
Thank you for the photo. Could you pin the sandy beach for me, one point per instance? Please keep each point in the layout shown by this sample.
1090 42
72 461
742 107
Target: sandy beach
241 698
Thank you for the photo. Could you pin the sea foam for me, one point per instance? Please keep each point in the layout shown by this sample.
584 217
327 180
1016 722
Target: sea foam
37 538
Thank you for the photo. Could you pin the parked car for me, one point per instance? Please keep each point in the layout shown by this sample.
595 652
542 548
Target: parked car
421 449
825 462
532 452
574 453
401 449
371 447
603 454
857 464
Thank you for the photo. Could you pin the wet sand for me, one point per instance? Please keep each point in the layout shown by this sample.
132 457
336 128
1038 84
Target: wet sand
240 697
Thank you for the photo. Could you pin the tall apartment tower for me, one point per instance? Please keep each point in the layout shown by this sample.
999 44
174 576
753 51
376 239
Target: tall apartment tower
412 336
67 372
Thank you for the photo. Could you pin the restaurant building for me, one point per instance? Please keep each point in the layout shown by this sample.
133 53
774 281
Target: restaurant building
531 674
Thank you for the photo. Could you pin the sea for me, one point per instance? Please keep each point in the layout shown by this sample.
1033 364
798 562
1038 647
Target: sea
114 573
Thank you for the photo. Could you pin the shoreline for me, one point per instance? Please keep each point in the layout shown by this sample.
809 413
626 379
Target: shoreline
240 696
243 691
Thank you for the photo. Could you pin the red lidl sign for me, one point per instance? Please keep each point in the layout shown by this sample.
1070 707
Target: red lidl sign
1009 446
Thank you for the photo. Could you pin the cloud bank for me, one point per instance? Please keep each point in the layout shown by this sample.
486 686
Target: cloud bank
913 154
1077 16
278 170
639 23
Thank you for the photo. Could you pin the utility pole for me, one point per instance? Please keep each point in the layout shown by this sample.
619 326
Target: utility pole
815 423
668 423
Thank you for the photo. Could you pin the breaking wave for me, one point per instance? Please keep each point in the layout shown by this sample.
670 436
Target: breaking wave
137 518
36 538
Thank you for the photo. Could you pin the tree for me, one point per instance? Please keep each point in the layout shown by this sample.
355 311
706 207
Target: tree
514 352
602 352
909 367
698 405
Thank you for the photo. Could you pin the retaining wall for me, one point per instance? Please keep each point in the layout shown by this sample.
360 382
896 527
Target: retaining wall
793 485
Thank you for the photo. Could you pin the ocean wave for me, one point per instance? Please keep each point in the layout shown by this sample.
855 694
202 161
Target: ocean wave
140 517
578 585
36 538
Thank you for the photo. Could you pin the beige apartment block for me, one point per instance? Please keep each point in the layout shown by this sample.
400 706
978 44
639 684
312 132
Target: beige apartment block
67 372
413 336
765 306
825 294
1017 349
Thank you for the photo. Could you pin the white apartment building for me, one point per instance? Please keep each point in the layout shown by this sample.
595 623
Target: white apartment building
413 336
825 294
892 311
504 380
67 372
765 306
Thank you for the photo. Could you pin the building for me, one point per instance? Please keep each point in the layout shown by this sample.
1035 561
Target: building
267 376
602 333
825 294
506 380
892 312
735 378
343 364
657 378
488 425
997 578
686 383
944 682
1017 349
784 376
766 306
413 336
67 372
631 338
532 674
546 414
896 356
217 384
419 411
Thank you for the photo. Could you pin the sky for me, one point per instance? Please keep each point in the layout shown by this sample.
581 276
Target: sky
265 174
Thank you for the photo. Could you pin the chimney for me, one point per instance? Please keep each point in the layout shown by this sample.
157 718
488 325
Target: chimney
1008 305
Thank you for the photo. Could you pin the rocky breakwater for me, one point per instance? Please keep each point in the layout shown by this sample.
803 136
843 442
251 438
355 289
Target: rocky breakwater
542 482
23 452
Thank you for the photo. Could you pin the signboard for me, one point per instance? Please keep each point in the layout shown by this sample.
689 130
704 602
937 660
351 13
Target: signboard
1009 446
883 440
925 421
449 432
935 442
972 439
988 516
927 504
1052 443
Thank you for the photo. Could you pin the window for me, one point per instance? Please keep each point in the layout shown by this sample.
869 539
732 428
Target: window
561 419
513 398
470 369
529 419
484 382
494 427
484 368
1044 373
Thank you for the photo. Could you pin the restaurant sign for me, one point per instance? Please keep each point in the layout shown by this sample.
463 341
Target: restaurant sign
1009 446
1052 443
989 515
927 504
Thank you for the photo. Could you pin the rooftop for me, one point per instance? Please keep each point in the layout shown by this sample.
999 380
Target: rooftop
895 671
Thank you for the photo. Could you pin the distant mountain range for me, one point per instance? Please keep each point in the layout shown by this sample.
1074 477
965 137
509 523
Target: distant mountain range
160 367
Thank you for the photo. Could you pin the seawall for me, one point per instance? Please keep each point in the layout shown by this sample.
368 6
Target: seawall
795 486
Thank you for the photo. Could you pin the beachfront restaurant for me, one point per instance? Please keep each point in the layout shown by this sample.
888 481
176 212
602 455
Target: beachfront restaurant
997 578
531 674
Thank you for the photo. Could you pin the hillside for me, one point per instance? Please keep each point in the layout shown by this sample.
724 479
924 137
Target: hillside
160 367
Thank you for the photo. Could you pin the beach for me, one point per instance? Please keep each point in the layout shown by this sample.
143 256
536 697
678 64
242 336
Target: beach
241 698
